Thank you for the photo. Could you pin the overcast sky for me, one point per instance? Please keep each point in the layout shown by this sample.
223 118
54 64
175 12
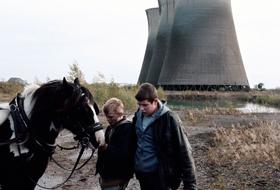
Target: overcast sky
40 39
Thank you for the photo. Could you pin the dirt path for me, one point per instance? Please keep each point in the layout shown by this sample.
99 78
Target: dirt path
198 135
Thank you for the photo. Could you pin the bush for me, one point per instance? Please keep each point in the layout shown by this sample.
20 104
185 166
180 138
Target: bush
10 89
161 93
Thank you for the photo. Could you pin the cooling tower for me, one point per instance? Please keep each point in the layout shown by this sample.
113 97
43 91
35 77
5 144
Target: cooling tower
153 22
167 10
203 51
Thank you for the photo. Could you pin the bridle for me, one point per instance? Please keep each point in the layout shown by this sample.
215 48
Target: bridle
85 141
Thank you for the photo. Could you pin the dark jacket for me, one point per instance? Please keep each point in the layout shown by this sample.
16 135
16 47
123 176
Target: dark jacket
173 150
117 161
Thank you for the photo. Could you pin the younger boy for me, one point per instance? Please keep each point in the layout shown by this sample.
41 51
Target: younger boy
115 162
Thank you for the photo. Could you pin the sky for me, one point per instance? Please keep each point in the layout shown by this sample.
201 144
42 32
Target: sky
39 40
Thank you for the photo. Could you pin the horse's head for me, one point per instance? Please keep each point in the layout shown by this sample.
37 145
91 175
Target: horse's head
62 104
80 113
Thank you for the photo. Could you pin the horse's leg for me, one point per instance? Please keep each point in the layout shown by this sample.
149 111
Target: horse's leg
17 175
34 170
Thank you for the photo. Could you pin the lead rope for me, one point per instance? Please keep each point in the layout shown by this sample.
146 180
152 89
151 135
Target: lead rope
57 163
84 143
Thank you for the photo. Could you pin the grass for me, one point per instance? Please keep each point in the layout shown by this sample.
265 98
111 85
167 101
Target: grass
257 142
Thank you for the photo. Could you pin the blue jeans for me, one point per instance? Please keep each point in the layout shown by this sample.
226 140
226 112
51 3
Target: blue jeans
118 187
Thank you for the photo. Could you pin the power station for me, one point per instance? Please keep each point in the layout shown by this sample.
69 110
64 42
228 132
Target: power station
153 22
196 47
166 11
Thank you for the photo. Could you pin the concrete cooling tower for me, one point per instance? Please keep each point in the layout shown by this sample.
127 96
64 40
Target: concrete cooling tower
167 11
153 22
203 51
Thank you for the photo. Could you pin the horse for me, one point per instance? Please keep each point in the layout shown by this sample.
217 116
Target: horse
30 124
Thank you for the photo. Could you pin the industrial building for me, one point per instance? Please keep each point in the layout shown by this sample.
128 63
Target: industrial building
196 47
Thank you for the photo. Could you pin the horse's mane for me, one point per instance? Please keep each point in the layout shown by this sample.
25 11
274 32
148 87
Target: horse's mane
27 94
56 97
50 96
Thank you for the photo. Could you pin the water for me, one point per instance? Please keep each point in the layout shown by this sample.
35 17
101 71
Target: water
223 104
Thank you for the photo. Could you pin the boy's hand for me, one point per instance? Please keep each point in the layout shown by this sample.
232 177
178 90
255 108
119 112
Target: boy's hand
101 149
99 135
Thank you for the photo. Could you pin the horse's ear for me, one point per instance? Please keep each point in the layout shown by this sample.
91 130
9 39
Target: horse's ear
66 85
76 81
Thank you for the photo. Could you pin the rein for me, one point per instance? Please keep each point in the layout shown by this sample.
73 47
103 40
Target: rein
85 142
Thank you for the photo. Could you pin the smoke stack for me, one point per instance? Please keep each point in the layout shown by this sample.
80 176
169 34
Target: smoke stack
167 11
203 51
153 22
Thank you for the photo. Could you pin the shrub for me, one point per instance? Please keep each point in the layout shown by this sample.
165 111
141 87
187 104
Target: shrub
10 89
161 93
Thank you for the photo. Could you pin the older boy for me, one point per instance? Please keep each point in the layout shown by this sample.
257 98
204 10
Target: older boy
163 156
116 158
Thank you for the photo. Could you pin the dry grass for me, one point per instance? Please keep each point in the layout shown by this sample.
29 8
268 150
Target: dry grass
234 150
258 142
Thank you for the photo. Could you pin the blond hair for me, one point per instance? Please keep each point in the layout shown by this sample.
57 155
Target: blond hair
113 104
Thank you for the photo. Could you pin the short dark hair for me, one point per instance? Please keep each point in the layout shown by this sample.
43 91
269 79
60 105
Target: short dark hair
146 91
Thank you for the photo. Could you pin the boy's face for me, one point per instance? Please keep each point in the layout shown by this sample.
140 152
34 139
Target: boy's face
113 117
147 107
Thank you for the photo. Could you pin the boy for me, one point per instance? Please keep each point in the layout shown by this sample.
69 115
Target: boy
116 158
163 156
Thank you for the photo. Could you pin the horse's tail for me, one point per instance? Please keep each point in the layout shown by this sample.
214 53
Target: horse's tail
4 112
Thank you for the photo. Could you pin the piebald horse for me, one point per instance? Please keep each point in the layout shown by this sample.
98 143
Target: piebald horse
30 124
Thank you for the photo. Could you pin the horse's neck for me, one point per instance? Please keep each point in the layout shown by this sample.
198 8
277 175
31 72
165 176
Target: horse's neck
28 105
4 112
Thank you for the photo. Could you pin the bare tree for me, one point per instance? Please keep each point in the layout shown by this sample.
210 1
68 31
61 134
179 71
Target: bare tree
75 72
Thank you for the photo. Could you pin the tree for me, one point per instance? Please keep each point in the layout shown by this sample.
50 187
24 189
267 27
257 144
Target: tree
260 86
75 72
18 81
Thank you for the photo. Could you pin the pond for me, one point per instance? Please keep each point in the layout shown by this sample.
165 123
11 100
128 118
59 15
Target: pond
223 104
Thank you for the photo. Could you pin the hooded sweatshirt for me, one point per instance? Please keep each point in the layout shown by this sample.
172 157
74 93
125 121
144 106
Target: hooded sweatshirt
145 158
